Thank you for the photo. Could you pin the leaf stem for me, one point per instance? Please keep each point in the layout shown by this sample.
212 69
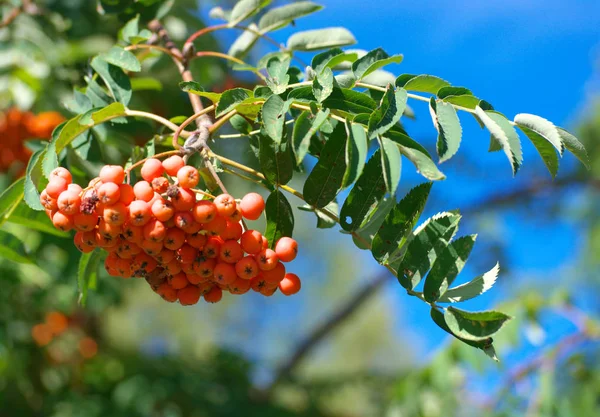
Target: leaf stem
220 122
230 58
180 129
154 47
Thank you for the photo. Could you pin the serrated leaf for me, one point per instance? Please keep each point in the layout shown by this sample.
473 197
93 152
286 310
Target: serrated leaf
12 248
388 113
350 101
368 191
243 9
276 160
357 147
279 17
273 117
467 101
575 147
325 179
364 235
471 289
32 174
399 223
544 148
195 88
242 45
448 126
542 127
421 83
474 326
230 99
503 132
34 220
122 58
50 160
280 219
313 40
323 85
278 77
115 79
87 273
447 266
425 245
305 128
391 163
11 196
372 61
453 91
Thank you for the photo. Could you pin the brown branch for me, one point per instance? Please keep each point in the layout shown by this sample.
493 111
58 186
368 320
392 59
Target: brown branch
319 333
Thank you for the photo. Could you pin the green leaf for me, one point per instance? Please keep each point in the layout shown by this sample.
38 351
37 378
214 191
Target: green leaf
448 126
195 88
122 58
11 196
34 220
505 134
331 59
146 84
466 100
474 326
325 179
50 160
323 221
448 265
87 273
391 162
425 245
575 147
388 113
471 289
373 61
130 29
542 127
357 147
115 79
544 148
486 345
368 191
278 77
350 101
364 235
313 40
32 174
305 128
276 160
453 91
280 219
242 45
421 83
12 248
243 9
273 116
323 85
230 99
399 223
279 17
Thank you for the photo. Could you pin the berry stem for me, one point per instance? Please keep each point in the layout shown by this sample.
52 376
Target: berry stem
204 193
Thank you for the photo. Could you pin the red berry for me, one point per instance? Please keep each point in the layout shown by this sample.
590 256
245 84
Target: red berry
151 169
173 164
188 177
286 249
112 173
290 284
252 206
225 204
251 242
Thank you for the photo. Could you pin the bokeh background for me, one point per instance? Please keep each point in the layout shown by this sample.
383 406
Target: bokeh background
128 353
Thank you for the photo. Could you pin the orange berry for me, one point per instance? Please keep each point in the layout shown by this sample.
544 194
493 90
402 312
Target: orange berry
212 247
188 177
184 200
258 283
48 202
68 202
155 230
184 220
143 264
123 266
205 269
88 348
174 239
76 188
167 292
143 191
214 295
196 240
89 238
224 273
179 281
57 322
252 206
246 268
133 233
236 216
265 243
111 261
275 275
267 259
187 254
112 173
231 252
268 291
151 248
140 213
173 164
233 231
116 214
290 284
251 241
204 211
160 185
41 334
286 249
216 226
85 222
62 221
151 169
162 209
240 286
127 195
173 267
165 256
109 193
62 173
56 186
189 295
225 204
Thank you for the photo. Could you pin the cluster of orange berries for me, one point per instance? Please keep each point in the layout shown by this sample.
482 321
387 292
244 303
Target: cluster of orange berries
55 325
17 126
159 229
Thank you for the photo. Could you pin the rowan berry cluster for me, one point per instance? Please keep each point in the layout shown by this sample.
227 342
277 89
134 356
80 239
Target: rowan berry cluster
185 243
16 126
55 325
